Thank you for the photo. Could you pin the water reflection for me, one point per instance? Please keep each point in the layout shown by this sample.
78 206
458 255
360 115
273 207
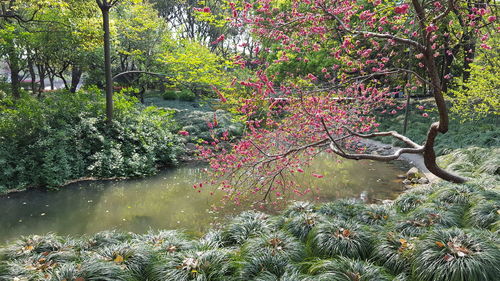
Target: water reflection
168 200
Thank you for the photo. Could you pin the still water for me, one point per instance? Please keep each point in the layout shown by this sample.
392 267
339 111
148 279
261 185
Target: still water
168 200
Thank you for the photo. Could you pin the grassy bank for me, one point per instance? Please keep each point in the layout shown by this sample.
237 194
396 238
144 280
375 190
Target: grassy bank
61 137
440 232
484 132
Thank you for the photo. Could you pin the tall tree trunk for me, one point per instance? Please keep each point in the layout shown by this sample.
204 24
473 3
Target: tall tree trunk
107 60
14 71
76 75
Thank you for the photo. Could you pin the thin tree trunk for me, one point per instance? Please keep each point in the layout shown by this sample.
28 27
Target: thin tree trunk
76 75
31 68
41 74
51 79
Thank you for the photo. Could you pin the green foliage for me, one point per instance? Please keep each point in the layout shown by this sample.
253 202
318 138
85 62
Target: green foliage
64 136
479 96
458 255
482 133
184 95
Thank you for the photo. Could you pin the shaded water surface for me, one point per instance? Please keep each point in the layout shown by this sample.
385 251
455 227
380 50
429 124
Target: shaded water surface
168 200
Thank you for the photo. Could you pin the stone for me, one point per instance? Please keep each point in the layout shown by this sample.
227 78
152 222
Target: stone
191 146
412 173
387 202
406 182
387 147
423 181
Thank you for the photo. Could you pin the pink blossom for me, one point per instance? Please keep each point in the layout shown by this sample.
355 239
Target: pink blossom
317 175
312 77
402 9
486 46
492 18
425 115
183 133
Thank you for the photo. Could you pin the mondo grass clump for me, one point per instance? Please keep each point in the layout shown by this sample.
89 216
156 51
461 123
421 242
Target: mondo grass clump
341 238
445 232
193 265
457 255
344 269
394 252
246 225
277 243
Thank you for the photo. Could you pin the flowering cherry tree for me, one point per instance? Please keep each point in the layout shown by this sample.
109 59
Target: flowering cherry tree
369 45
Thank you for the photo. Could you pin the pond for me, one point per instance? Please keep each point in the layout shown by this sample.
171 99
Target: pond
168 200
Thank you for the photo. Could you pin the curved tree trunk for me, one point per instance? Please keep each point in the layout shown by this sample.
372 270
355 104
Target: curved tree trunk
442 125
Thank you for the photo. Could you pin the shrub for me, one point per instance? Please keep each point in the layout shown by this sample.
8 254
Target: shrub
186 95
47 142
458 255
341 238
170 95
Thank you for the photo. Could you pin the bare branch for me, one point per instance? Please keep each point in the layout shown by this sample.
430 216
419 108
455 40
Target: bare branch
357 156
451 5
394 134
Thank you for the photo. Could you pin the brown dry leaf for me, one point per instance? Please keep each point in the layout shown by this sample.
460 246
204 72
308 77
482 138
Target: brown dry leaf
448 257
440 244
79 279
346 232
118 259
